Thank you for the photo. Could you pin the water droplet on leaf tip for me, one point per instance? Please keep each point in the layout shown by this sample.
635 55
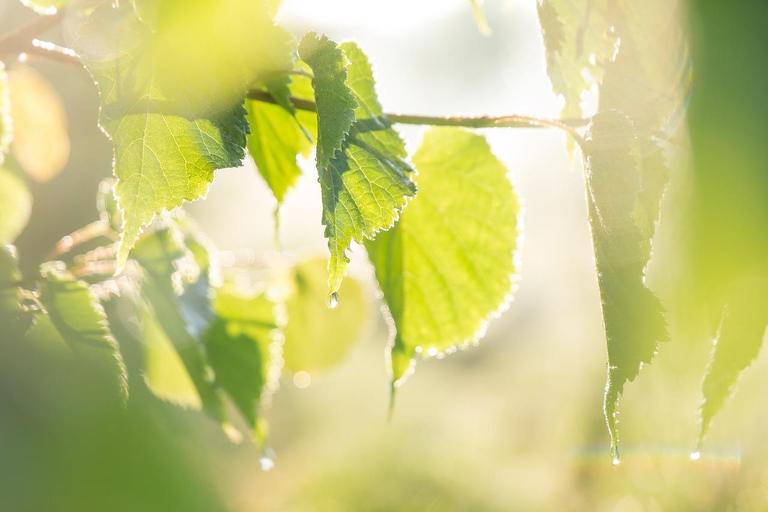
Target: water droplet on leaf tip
333 300
695 455
616 461
266 463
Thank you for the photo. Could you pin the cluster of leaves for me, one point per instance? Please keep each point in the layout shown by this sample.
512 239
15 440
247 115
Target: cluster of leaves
445 264
179 108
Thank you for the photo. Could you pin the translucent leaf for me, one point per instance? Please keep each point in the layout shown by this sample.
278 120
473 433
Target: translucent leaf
18 307
317 337
632 315
335 101
6 122
367 184
171 99
447 266
81 322
243 345
40 136
737 345
577 45
278 136
15 205
171 289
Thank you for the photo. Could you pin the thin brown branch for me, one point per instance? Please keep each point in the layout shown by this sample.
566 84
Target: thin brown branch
508 121
20 40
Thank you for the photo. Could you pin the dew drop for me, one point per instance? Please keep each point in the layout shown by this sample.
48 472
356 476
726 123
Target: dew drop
616 461
333 300
266 463
695 455
432 352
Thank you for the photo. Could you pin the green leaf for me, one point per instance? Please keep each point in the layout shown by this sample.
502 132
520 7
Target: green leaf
172 100
15 205
175 291
79 319
738 342
632 315
18 307
576 39
447 266
317 337
335 101
243 346
278 136
367 184
6 123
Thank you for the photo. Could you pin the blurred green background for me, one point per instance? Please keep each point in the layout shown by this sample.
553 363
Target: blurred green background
515 424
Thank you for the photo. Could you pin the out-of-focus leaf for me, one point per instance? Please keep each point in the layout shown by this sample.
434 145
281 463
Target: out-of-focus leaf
40 136
447 266
79 319
632 315
172 98
18 307
737 345
726 242
478 11
577 45
367 183
317 337
171 270
15 205
6 122
244 348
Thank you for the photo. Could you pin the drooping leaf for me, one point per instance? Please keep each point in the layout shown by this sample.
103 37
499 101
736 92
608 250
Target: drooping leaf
726 240
171 99
40 140
317 337
18 307
6 122
244 349
367 183
632 315
79 319
279 134
15 205
447 266
171 272
737 344
335 101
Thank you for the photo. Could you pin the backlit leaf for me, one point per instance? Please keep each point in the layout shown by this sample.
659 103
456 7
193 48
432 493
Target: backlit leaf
367 184
174 119
317 337
15 205
447 266
6 122
632 315
244 348
40 136
81 322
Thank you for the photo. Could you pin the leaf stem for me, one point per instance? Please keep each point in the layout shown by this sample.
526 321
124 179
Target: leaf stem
21 39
